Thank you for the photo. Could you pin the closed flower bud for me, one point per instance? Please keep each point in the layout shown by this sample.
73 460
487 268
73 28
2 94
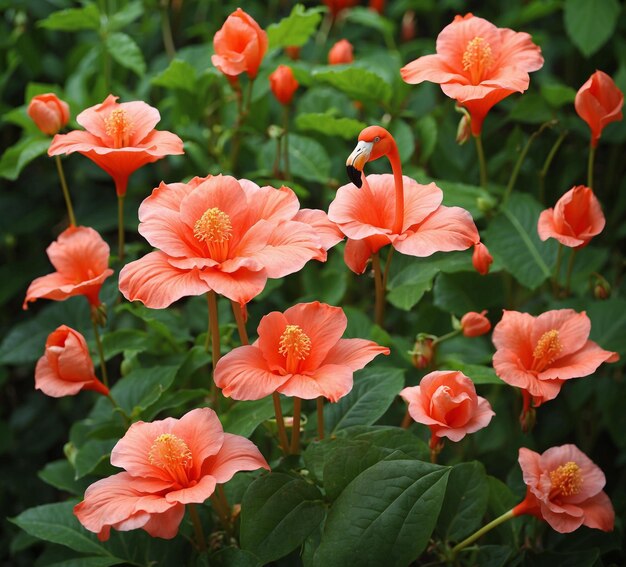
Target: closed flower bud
475 324
423 352
481 259
49 113
283 84
464 130
341 52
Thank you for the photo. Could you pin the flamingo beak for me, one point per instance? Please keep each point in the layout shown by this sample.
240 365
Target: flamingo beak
356 161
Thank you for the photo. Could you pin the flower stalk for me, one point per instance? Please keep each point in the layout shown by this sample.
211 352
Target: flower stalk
66 193
488 527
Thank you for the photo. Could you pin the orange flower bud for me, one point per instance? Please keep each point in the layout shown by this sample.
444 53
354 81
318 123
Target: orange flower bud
49 113
283 84
423 352
481 259
475 324
341 52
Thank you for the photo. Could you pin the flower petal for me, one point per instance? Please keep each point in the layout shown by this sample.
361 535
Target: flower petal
237 454
240 286
354 353
331 381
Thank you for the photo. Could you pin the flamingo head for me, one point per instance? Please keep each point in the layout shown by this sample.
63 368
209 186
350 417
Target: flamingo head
374 142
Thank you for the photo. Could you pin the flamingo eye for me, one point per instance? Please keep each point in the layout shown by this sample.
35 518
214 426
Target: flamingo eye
377 139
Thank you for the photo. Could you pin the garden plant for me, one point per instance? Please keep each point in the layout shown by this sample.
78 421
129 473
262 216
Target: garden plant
324 284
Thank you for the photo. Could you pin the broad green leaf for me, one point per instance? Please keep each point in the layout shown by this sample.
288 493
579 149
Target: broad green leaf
467 291
17 157
91 454
385 516
465 502
532 109
369 18
608 324
308 159
234 557
127 15
296 28
403 134
178 75
56 523
478 373
126 52
389 437
177 400
512 238
73 19
557 94
492 555
244 417
358 83
60 474
501 499
590 23
427 136
408 287
373 392
278 512
88 562
327 124
123 340
465 196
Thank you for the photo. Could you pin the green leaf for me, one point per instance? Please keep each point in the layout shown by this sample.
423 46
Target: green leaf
296 28
369 18
373 392
608 324
358 83
385 516
390 438
127 15
60 474
427 136
56 523
531 109
465 502
558 95
308 159
244 417
408 287
467 291
234 557
590 23
177 400
464 195
478 373
126 52
278 512
91 454
512 238
18 156
88 562
580 558
73 19
178 75
327 124
124 340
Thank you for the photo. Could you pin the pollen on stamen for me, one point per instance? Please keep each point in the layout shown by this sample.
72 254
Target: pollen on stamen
213 226
118 127
169 451
477 58
548 347
294 342
567 480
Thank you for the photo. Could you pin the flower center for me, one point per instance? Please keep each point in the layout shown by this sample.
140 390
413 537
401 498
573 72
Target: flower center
547 350
567 480
477 59
295 345
171 454
119 128
215 229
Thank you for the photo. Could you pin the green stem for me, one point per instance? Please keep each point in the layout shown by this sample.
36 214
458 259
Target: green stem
557 270
166 31
280 423
197 526
295 428
387 267
482 164
546 166
471 539
590 161
221 507
320 417
570 266
118 408
241 324
286 144
214 331
103 368
445 337
379 308
66 193
120 227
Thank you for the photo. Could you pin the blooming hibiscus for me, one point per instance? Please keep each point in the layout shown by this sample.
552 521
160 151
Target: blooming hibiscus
298 353
119 138
81 259
66 367
538 354
477 64
168 463
575 219
599 102
224 235
239 45
564 488
447 403
49 113
366 216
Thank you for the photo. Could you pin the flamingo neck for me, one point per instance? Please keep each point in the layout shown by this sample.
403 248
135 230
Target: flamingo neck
396 168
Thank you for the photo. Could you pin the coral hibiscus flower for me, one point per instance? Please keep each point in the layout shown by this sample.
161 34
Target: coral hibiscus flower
366 216
538 354
477 64
564 488
168 464
298 353
576 218
119 138
81 259
224 235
